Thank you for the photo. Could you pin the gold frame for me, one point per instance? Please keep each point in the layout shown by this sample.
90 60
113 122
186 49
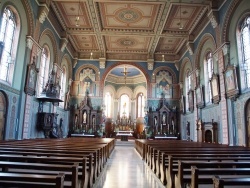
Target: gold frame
231 84
215 88
31 77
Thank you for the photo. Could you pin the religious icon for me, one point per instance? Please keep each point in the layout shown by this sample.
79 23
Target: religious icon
84 117
31 79
164 119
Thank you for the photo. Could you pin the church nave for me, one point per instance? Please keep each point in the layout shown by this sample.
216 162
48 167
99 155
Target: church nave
126 169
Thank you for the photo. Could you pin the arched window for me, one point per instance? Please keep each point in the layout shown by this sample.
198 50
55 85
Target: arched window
140 105
124 106
187 87
44 69
208 71
245 46
63 86
8 44
108 104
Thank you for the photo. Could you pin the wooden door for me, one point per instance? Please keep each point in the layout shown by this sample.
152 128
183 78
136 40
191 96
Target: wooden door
3 110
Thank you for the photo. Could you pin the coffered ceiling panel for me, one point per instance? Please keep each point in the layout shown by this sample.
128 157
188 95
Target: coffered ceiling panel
168 45
184 16
86 42
120 43
69 10
116 15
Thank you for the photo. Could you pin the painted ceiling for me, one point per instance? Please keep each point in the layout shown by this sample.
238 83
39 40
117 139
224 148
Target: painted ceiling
158 30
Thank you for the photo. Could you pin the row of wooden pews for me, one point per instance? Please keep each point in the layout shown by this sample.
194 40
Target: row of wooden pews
71 162
181 164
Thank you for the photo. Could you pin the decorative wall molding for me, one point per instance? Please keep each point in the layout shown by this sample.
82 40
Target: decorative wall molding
150 64
43 12
213 16
102 63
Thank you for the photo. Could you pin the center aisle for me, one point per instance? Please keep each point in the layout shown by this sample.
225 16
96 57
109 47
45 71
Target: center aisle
126 169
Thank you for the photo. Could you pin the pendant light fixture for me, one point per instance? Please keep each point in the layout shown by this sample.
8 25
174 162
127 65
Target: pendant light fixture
78 15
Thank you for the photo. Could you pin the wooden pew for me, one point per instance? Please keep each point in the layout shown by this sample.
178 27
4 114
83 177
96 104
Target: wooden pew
70 171
91 155
97 164
86 178
155 153
31 180
184 169
96 151
224 182
205 175
175 172
182 156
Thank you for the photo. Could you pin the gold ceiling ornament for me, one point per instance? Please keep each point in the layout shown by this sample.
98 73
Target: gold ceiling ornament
78 15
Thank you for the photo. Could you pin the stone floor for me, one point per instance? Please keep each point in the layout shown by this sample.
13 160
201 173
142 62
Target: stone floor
126 169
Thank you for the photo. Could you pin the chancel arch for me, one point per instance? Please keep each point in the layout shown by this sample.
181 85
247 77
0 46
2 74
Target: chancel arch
122 64
125 82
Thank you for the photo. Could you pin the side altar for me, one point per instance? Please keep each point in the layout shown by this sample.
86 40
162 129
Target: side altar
162 123
87 121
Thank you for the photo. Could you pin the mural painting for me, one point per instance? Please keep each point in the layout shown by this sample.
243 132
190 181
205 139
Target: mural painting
164 81
87 82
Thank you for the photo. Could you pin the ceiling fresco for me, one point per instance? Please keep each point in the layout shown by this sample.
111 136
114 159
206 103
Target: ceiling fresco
132 30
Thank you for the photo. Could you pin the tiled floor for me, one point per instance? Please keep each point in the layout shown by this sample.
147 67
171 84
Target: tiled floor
126 169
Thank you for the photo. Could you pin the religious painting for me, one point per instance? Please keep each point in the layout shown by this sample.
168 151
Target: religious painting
231 84
87 82
164 84
191 100
182 104
67 99
199 97
31 78
214 83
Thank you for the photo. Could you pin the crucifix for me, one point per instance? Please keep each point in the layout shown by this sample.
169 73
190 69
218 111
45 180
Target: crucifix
125 73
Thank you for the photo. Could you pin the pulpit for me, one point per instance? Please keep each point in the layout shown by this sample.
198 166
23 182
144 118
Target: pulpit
47 121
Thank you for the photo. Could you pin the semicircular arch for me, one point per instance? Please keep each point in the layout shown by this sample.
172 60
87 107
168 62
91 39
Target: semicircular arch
126 63
77 73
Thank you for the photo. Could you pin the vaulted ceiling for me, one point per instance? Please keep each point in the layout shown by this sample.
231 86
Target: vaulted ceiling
159 30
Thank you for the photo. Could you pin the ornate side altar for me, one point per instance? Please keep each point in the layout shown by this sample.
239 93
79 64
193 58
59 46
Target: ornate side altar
162 122
87 121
